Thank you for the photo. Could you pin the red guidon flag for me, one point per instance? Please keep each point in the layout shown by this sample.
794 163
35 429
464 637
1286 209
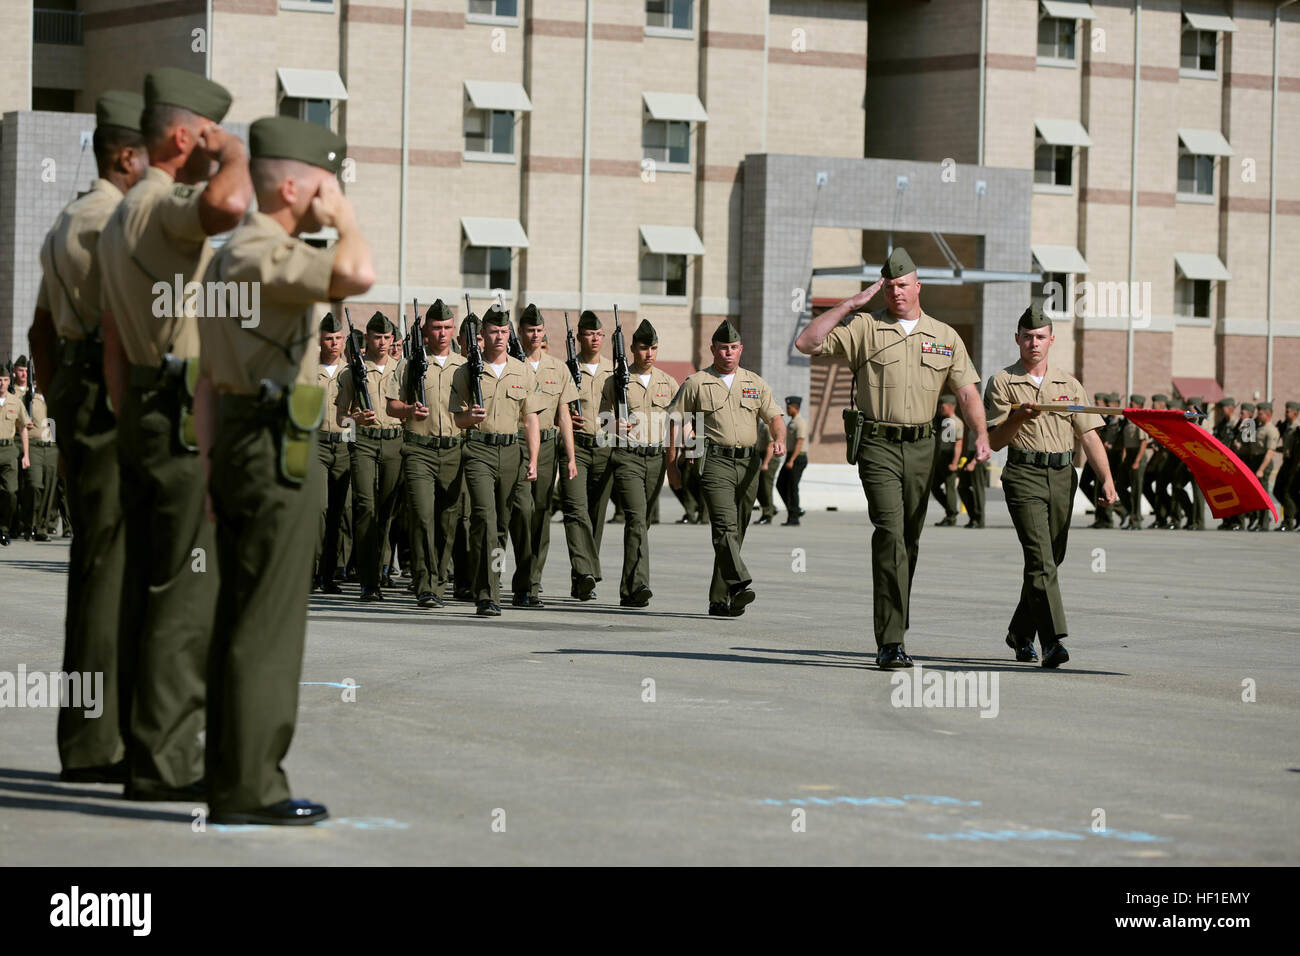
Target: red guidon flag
1228 485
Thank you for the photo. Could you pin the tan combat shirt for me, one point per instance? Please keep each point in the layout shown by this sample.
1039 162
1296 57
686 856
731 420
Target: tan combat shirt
649 404
70 285
555 383
900 377
330 382
1268 436
437 397
795 429
153 236
376 384
281 342
1050 431
730 415
40 418
590 392
13 415
506 399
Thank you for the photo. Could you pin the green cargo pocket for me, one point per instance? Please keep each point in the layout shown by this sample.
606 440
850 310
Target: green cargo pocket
304 413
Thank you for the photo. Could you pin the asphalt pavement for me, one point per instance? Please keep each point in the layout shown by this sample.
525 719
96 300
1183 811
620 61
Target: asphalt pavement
588 734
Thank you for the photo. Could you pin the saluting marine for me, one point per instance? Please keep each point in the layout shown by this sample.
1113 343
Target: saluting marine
159 234
902 360
259 408
67 306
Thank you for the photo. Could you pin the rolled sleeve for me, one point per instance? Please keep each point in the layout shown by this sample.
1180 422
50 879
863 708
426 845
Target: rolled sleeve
997 403
178 213
770 410
962 372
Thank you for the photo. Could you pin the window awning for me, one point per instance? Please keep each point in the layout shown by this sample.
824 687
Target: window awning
490 95
1201 265
1060 259
1060 132
1205 142
482 231
1213 22
311 84
1204 388
675 106
1069 11
672 240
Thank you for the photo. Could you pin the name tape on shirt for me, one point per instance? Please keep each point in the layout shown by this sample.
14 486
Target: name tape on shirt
935 348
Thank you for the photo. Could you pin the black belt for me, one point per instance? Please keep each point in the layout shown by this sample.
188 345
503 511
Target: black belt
583 440
545 435
1042 459
153 377
491 438
332 438
644 451
432 441
729 451
899 433
256 406
40 444
379 432
88 352
6 441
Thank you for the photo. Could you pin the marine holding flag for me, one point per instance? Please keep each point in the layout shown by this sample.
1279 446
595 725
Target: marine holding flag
1039 480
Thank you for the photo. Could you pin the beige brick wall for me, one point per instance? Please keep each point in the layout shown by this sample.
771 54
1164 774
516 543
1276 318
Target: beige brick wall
16 54
1193 352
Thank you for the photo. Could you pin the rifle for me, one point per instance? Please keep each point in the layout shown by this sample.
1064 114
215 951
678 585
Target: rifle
473 354
516 348
31 386
622 376
357 367
417 360
571 362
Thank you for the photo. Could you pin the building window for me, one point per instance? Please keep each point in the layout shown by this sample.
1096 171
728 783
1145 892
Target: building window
1192 297
670 14
1056 38
663 275
313 111
1198 50
1195 174
49 100
485 267
494 8
667 141
58 23
490 131
1053 294
1053 165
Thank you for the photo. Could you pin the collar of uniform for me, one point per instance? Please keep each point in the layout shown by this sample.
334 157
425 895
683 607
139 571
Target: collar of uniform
603 364
712 370
926 324
453 359
107 188
155 175
1019 374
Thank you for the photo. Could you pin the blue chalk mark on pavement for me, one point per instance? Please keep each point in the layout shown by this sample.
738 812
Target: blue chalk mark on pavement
326 683
1128 836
